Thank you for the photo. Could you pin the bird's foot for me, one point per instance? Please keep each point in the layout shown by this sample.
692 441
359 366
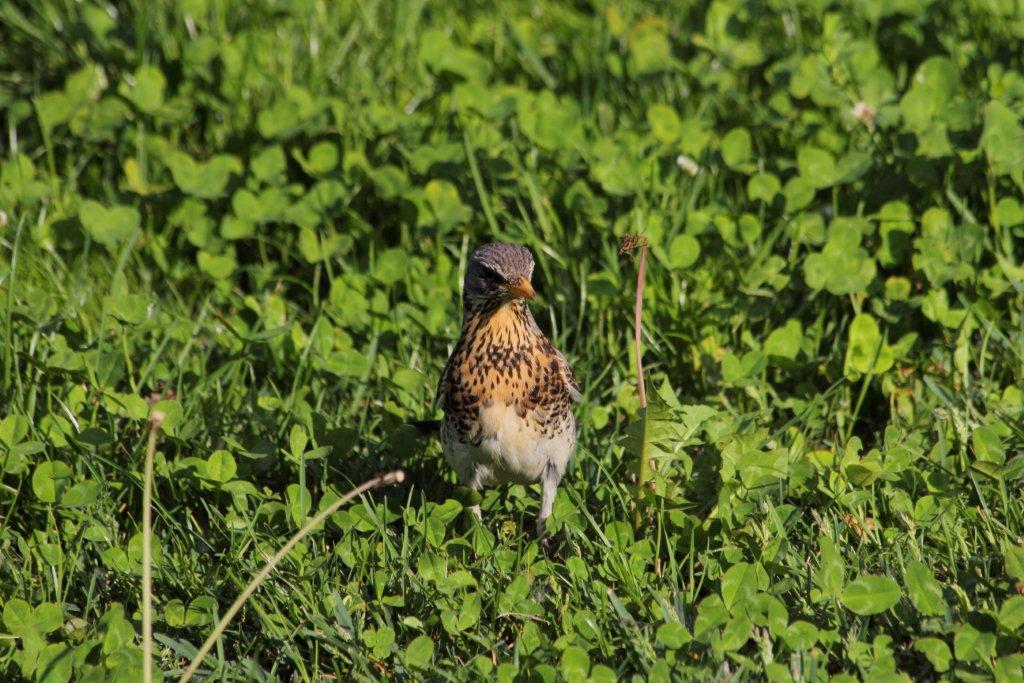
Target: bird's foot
545 544
543 538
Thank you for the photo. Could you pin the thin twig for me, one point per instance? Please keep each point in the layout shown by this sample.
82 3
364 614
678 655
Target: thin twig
383 480
155 420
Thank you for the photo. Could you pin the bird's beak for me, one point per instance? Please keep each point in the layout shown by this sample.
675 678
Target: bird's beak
522 289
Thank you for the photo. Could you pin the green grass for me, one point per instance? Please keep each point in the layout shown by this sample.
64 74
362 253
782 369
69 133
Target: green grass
254 217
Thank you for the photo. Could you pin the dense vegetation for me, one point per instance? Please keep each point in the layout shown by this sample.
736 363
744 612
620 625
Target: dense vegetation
254 215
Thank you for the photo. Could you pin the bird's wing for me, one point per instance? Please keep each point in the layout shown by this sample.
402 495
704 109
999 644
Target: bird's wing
568 378
571 384
442 384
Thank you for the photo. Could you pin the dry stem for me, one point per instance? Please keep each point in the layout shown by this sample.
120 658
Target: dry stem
382 480
155 420
628 244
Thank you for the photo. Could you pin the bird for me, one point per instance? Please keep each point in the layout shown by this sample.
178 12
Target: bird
506 392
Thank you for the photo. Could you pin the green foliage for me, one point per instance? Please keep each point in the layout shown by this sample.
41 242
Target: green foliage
871 594
253 217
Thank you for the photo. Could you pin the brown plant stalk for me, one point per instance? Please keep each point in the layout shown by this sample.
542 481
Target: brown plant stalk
628 245
155 420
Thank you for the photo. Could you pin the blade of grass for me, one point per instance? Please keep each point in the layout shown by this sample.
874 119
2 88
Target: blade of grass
383 480
478 181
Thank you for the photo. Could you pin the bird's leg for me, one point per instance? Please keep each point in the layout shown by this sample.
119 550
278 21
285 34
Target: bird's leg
472 482
548 487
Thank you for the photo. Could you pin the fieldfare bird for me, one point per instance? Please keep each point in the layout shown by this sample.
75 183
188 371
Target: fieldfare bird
506 391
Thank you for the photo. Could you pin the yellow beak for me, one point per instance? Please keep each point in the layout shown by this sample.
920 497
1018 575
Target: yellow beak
522 289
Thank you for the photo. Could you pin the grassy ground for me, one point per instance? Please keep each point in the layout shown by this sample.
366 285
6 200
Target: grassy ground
254 216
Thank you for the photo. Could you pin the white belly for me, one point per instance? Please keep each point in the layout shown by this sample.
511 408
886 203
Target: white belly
511 449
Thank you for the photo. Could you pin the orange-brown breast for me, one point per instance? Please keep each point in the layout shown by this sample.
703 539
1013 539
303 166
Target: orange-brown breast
503 359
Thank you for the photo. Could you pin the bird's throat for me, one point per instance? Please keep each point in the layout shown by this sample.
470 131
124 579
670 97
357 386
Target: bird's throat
497 316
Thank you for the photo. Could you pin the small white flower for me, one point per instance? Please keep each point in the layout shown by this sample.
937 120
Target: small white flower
864 112
3 219
687 164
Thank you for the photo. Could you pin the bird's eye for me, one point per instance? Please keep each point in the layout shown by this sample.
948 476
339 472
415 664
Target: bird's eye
492 275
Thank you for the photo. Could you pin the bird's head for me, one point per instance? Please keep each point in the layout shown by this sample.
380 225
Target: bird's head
498 273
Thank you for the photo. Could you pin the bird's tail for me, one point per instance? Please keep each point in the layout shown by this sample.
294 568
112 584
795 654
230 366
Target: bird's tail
426 427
